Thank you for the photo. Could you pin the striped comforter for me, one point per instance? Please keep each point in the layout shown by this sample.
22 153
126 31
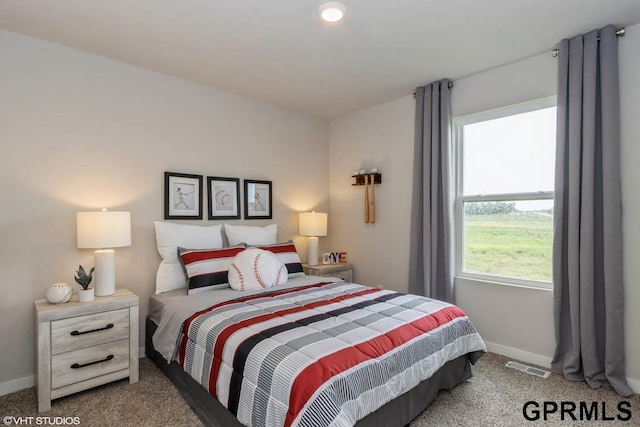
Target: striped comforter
320 355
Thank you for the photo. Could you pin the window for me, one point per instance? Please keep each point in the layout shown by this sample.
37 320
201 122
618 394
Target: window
504 200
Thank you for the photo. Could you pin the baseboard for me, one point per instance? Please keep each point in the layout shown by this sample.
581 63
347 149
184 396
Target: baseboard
521 355
634 384
141 352
17 384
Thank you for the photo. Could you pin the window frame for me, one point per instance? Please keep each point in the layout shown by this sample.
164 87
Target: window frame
460 199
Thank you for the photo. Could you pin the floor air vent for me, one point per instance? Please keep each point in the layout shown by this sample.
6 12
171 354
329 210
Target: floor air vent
528 369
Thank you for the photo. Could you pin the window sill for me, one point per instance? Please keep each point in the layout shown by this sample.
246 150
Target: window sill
506 281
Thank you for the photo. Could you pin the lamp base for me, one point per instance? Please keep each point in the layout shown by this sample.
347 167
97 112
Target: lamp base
105 274
313 251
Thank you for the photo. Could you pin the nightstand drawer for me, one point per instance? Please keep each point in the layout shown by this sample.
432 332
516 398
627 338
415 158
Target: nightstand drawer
341 271
86 331
90 362
344 275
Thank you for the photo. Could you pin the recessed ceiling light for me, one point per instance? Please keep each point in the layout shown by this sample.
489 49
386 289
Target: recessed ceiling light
332 11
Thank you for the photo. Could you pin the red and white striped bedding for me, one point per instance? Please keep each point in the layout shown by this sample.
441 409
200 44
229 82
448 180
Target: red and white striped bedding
319 355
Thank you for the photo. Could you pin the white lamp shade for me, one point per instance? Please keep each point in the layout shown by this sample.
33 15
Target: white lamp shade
103 229
313 224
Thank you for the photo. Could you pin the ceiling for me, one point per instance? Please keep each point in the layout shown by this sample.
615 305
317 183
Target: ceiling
279 51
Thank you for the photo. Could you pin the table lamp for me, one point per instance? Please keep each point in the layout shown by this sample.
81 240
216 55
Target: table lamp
104 230
313 225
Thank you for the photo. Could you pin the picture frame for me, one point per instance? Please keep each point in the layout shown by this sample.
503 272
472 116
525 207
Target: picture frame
257 199
182 196
224 197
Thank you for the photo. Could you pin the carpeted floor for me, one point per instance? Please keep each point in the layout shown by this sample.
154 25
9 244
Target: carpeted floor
495 396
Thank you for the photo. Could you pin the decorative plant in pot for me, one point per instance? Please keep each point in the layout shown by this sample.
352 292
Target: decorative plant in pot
84 279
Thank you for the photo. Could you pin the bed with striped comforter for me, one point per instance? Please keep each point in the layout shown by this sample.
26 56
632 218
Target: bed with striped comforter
320 355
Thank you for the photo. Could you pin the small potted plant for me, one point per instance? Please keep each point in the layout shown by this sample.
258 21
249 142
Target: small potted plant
84 279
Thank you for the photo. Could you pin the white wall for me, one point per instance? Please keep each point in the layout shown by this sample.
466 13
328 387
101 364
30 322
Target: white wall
376 137
516 321
629 46
79 132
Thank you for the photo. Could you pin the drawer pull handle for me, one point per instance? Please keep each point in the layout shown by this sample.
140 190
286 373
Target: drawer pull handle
78 366
109 326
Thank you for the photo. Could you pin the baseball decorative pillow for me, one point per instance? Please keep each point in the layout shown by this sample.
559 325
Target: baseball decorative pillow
255 269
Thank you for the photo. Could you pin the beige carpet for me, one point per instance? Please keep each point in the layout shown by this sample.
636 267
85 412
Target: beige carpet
493 397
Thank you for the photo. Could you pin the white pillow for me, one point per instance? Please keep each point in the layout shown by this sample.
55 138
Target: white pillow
251 235
255 269
169 236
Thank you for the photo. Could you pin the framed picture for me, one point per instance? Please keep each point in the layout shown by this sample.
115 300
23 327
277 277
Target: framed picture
182 196
257 199
224 197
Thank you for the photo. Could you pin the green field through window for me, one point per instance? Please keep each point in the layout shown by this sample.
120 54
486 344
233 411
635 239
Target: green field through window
516 244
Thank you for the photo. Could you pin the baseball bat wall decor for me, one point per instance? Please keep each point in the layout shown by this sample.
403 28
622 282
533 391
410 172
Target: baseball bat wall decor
366 198
372 209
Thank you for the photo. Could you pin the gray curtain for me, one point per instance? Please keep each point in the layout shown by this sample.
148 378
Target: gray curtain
587 244
430 260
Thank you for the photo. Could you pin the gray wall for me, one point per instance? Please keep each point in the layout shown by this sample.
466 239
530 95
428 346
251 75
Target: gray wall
80 132
516 321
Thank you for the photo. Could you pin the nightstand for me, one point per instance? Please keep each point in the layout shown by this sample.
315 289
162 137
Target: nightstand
83 345
343 271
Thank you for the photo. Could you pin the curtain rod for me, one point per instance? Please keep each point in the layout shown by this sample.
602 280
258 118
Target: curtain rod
449 85
620 33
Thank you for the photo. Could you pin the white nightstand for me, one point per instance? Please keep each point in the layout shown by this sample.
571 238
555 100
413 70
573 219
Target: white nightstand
83 345
343 271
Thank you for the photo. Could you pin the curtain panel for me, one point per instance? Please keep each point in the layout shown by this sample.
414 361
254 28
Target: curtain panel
587 246
430 260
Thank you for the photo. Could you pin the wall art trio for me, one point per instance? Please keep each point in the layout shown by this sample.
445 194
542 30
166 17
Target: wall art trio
183 197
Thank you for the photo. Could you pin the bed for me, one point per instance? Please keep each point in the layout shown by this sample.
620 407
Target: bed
249 339
311 352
